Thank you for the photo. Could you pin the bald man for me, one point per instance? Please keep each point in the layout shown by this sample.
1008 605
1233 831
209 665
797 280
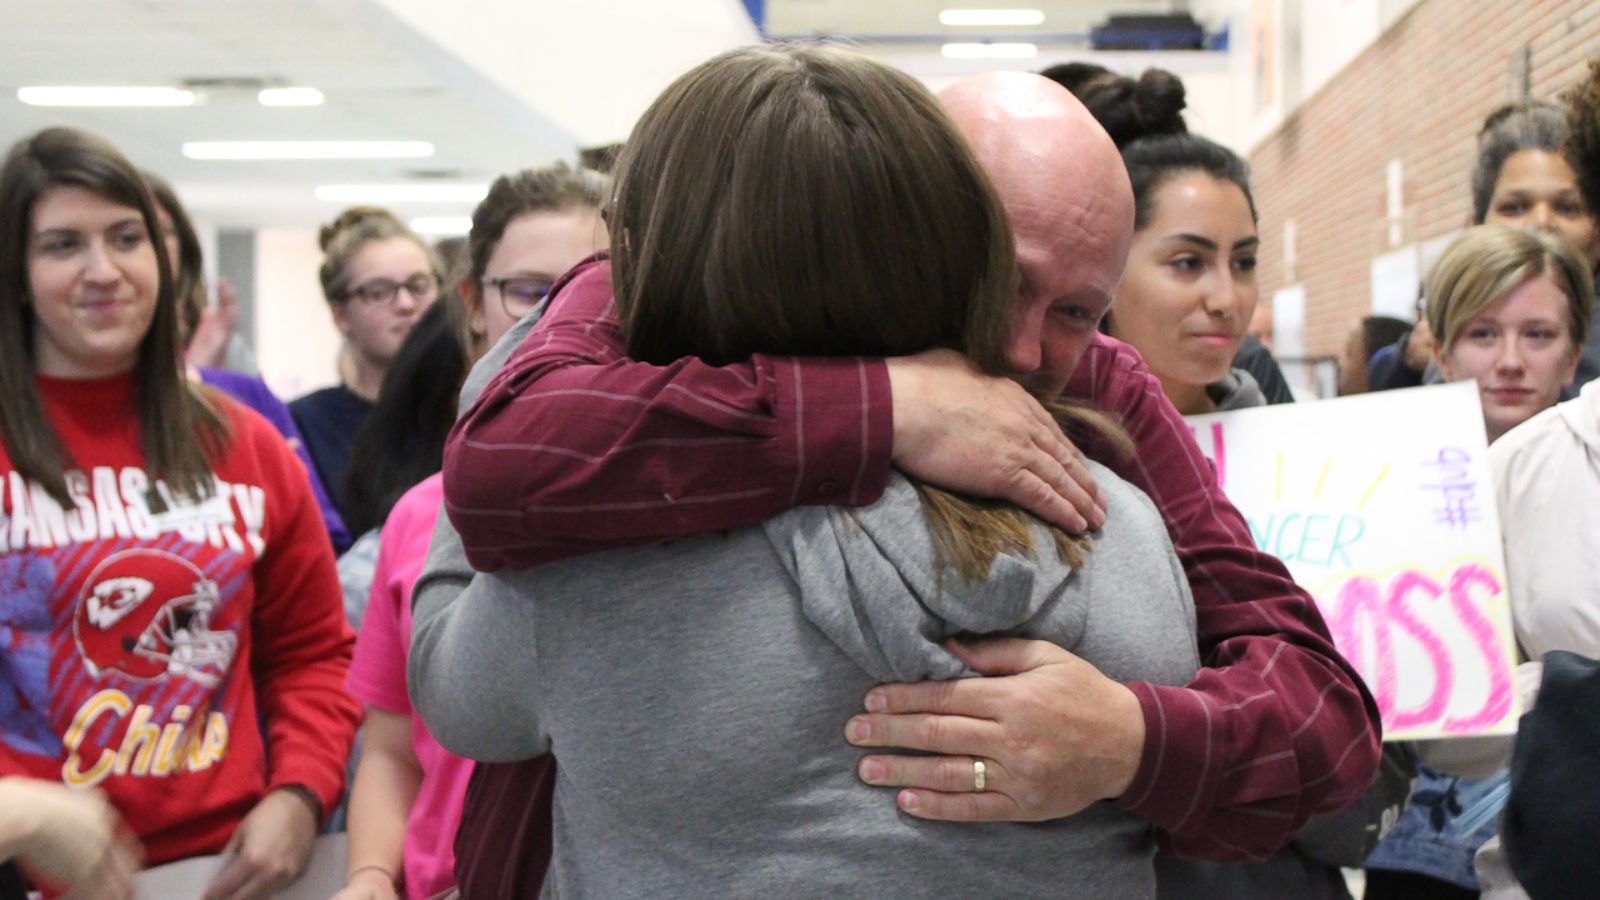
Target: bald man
1275 729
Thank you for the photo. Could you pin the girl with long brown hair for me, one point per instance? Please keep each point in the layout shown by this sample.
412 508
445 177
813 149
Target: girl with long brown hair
168 606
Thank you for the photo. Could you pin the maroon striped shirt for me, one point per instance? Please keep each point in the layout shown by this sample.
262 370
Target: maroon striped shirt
573 448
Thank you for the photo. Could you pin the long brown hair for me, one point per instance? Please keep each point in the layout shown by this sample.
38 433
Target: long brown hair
189 281
804 200
177 427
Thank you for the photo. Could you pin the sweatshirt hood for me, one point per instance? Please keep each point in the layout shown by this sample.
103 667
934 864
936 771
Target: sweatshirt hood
868 579
1236 390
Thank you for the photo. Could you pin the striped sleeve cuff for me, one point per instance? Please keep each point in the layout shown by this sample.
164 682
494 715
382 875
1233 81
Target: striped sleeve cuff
844 428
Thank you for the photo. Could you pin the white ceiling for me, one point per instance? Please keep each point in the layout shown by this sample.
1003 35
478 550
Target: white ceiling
491 83
495 85
902 18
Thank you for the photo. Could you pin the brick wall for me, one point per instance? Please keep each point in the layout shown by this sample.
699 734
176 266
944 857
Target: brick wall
1419 95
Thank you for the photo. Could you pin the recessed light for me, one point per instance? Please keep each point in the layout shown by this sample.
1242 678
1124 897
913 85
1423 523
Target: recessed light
402 193
124 95
989 51
441 226
290 96
1011 17
307 149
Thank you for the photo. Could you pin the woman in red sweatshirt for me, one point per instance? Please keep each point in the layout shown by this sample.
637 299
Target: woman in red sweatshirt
170 623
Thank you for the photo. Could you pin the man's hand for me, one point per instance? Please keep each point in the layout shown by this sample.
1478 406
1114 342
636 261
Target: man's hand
986 436
269 849
1053 733
73 838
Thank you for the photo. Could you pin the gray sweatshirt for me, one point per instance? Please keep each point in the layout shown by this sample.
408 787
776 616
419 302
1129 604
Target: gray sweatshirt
695 695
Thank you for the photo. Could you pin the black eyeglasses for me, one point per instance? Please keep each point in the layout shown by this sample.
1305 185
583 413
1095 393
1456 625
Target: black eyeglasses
383 292
519 294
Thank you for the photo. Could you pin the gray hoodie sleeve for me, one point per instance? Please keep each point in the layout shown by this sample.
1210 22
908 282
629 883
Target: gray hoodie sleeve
472 674
469 674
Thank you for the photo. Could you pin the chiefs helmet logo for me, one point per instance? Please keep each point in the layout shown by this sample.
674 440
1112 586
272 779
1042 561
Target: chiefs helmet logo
147 614
111 599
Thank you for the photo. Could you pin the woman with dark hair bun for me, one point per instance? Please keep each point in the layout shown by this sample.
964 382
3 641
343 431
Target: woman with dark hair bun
1186 297
170 630
1188 291
1148 111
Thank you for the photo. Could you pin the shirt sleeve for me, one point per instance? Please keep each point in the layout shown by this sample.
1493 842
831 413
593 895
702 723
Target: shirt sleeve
1387 369
573 448
378 668
300 642
1276 727
473 648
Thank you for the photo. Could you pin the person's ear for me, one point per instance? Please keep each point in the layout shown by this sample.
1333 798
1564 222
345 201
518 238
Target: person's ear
471 291
341 316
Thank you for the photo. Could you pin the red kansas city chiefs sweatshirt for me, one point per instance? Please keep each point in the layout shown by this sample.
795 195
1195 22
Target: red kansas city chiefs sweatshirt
148 643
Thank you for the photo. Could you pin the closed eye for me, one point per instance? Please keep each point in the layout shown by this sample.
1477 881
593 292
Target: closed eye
1078 316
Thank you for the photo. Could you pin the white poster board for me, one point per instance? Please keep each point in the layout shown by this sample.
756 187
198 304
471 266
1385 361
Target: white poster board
1381 506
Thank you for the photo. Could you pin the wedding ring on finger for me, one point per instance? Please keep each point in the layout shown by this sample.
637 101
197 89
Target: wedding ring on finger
980 776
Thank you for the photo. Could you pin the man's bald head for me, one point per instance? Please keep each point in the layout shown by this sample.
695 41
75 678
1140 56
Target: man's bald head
1070 205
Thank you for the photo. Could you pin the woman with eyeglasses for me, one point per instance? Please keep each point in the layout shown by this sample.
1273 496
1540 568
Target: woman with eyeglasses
406 800
378 277
533 226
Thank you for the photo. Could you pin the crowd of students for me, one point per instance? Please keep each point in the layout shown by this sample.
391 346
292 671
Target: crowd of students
832 392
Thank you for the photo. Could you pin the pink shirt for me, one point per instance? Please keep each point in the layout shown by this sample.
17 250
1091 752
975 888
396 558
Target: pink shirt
378 677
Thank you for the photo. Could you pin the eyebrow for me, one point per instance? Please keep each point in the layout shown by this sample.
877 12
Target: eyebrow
1209 244
1563 190
66 229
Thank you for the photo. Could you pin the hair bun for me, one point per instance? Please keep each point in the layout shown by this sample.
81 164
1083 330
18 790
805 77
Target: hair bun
1159 101
351 218
1130 109
1074 75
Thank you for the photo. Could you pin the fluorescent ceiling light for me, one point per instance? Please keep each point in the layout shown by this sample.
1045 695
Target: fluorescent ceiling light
441 226
1011 17
290 96
402 193
307 149
989 51
105 96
